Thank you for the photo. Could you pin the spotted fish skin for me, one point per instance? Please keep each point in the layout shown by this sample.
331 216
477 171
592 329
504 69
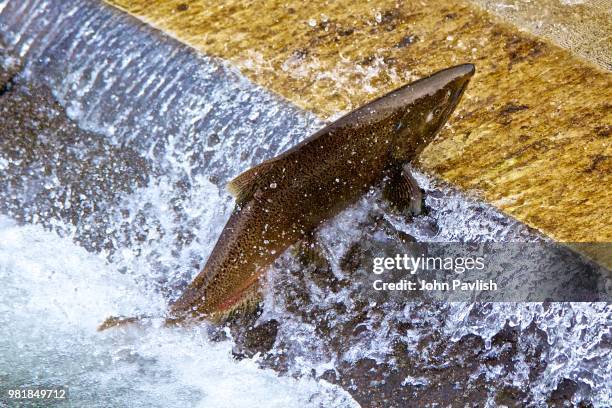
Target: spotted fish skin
283 199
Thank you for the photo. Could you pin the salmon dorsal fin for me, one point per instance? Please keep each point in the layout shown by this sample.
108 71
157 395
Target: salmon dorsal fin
244 185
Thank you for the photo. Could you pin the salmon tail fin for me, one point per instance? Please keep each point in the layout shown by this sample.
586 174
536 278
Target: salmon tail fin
243 185
116 321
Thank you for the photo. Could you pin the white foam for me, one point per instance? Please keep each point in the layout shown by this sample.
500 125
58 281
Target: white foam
55 294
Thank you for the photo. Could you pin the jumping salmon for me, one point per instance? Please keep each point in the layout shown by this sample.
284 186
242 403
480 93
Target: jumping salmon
283 199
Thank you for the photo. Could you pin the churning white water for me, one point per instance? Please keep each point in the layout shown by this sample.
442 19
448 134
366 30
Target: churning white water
55 294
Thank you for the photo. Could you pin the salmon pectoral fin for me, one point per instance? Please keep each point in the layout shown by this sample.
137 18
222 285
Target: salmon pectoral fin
403 192
243 186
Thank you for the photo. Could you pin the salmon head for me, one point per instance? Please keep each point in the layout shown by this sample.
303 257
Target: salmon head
426 105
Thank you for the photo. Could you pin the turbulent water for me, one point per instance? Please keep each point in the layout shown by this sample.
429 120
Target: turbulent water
116 148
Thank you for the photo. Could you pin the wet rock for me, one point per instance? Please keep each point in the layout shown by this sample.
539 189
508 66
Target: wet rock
10 66
562 395
260 338
250 335
53 170
352 259
510 396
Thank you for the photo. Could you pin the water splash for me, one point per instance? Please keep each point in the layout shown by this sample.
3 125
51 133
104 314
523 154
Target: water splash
54 295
